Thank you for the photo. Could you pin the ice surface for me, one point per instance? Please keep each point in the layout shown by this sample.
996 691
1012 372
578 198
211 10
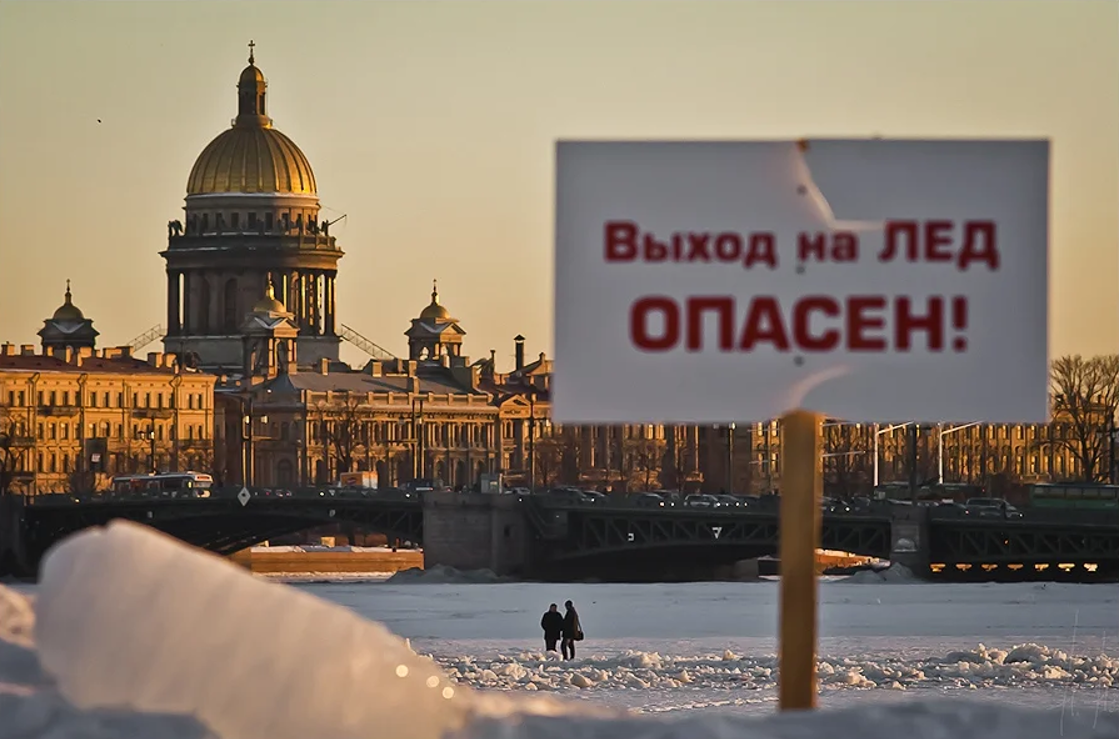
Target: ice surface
936 720
895 573
444 575
130 618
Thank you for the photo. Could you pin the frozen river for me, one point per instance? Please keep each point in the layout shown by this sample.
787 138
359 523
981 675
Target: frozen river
698 646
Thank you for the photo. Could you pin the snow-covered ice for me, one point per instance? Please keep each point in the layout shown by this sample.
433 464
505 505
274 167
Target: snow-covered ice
128 619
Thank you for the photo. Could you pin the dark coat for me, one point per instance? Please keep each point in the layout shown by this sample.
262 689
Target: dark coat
552 623
571 625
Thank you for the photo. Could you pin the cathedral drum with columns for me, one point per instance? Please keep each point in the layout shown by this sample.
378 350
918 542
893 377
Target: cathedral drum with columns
251 220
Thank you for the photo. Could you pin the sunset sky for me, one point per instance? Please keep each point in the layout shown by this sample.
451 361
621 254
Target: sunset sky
432 126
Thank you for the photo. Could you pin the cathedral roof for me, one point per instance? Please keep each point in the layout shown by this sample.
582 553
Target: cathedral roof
252 156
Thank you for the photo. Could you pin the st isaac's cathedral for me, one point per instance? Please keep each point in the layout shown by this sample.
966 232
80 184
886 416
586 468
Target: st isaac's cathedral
251 273
252 327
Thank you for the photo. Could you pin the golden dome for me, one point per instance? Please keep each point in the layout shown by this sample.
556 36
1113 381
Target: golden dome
251 160
269 304
251 157
435 311
68 311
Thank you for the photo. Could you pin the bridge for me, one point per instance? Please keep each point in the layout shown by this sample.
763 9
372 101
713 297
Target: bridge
535 536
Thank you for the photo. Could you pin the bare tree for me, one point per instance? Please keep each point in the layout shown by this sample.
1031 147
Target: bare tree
571 452
549 460
11 449
643 460
1085 395
845 458
343 432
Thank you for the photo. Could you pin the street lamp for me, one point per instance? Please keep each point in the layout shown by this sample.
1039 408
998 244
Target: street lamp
730 458
417 437
941 433
878 432
532 440
151 453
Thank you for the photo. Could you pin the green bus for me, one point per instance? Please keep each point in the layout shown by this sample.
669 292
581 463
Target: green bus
1074 495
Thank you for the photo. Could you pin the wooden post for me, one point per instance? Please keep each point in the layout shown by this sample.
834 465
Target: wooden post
802 486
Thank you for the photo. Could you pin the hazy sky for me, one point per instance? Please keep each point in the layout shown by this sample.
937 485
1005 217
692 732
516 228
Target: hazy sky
431 124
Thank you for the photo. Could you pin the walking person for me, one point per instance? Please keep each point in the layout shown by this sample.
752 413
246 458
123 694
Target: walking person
552 623
572 631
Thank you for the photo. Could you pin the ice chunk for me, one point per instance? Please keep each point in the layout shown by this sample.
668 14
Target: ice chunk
130 618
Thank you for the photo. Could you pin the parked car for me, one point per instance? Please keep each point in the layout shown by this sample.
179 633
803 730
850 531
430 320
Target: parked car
648 500
991 508
727 501
950 508
566 495
701 501
593 496
833 505
672 499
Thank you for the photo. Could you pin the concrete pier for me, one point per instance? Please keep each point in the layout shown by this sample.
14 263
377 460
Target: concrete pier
909 538
472 531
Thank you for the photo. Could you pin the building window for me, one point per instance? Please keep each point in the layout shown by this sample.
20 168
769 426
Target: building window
41 398
52 431
235 220
148 400
93 400
252 221
66 397
268 222
40 431
65 462
64 428
54 398
54 463
41 462
11 398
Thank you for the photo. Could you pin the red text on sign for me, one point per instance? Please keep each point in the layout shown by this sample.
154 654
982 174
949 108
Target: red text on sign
625 242
942 241
813 323
838 246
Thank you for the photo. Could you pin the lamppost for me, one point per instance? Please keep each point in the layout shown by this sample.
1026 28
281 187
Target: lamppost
878 432
151 452
246 402
532 440
730 458
941 433
417 437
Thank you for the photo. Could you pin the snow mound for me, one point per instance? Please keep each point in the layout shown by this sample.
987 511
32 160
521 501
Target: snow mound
895 573
931 720
17 618
443 575
1024 665
19 665
130 618
48 715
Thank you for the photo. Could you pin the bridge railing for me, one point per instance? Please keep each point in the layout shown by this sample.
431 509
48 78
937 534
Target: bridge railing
232 492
